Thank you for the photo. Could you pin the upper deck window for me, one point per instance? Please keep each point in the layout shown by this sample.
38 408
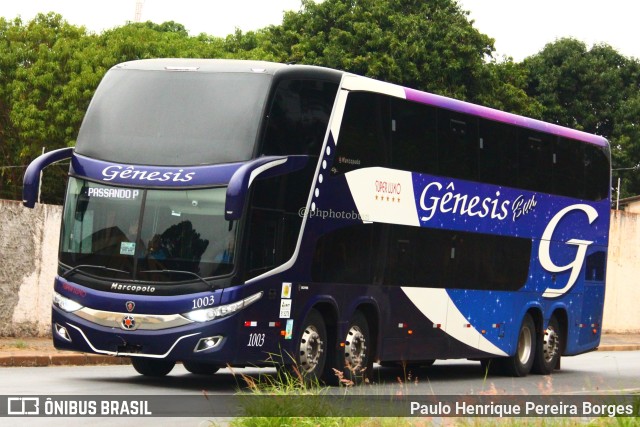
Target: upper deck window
174 118
380 130
298 117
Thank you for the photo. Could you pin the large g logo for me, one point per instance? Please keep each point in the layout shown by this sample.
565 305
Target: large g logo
576 265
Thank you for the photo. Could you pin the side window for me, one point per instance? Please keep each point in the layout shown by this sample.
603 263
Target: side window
274 220
347 255
457 145
568 168
414 137
454 259
596 266
298 117
416 257
535 160
378 130
596 173
498 154
364 133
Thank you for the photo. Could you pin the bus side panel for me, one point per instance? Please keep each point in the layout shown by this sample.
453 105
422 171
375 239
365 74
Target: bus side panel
407 334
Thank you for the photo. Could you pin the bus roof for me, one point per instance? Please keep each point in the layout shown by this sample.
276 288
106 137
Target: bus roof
203 65
355 82
224 66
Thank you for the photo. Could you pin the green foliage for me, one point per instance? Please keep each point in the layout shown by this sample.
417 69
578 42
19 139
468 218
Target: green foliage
38 61
49 70
425 45
506 89
579 87
287 395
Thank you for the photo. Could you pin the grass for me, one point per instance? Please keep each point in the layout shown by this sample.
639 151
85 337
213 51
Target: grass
304 396
20 344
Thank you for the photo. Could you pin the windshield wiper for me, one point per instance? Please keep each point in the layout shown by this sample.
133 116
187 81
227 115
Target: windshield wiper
101 267
212 287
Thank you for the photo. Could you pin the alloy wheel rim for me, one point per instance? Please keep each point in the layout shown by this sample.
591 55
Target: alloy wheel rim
524 345
551 344
311 349
355 348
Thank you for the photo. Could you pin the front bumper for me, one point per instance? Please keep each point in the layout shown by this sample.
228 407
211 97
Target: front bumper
203 342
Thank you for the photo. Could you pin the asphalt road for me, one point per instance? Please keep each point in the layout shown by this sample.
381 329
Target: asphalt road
592 373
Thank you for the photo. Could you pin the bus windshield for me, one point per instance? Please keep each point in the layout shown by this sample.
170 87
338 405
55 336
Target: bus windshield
178 118
139 234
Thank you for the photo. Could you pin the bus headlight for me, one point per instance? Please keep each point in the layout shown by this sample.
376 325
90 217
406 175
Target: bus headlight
208 314
65 304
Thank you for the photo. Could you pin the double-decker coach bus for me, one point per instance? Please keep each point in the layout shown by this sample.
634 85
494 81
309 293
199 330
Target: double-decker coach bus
220 212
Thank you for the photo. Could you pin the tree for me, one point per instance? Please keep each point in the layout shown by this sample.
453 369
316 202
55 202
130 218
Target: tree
430 46
425 45
578 88
36 109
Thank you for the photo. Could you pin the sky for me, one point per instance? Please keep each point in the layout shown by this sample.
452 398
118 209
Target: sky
520 27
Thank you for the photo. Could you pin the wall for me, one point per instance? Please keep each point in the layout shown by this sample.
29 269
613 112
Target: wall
621 312
28 254
29 244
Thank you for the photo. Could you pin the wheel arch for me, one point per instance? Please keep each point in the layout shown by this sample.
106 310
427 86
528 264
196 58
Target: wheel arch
538 318
562 317
329 312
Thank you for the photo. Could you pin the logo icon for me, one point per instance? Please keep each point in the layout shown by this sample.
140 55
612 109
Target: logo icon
130 306
23 406
129 323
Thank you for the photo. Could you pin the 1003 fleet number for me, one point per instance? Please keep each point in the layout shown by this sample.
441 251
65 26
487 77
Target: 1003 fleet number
256 340
202 302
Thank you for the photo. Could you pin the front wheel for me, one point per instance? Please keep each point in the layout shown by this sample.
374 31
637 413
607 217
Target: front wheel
310 358
548 349
152 367
519 365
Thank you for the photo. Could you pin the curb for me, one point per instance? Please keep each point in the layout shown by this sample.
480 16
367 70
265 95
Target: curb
71 359
619 347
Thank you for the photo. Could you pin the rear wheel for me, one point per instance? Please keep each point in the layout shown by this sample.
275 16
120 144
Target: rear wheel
548 349
152 367
519 365
358 362
200 368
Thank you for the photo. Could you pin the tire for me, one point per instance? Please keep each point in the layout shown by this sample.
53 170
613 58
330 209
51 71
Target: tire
152 367
357 358
311 349
548 349
520 364
200 368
